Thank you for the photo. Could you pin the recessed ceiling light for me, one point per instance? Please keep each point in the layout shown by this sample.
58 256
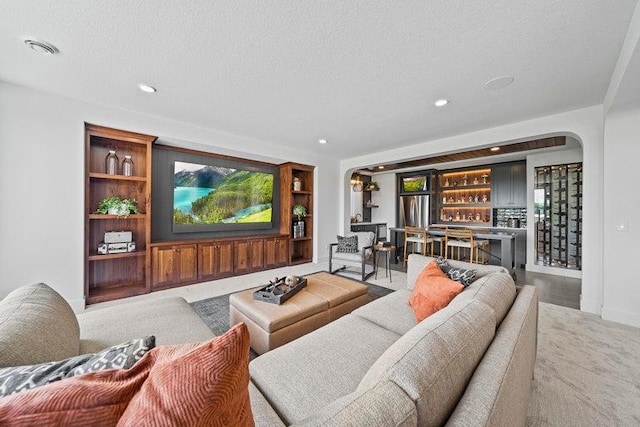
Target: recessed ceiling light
495 148
441 102
498 83
146 88
380 167
322 141
41 46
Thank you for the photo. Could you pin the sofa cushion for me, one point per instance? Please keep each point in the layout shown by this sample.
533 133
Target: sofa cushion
497 290
418 262
433 291
123 356
308 373
434 361
171 320
37 325
390 312
499 391
365 238
386 404
206 385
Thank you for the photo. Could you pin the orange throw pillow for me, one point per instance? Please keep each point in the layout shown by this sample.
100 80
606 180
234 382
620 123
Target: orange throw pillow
433 291
204 387
93 399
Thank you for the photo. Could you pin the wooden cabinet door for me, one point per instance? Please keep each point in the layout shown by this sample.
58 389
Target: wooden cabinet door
248 255
173 265
225 259
186 263
162 260
256 258
276 252
519 185
215 260
207 261
241 255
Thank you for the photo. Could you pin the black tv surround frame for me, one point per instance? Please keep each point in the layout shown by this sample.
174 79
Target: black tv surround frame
162 227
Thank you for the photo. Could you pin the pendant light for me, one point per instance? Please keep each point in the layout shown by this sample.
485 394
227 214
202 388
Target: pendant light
356 183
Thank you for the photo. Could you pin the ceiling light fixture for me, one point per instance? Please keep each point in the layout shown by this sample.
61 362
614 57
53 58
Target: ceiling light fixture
146 88
495 148
380 167
41 46
441 102
322 141
498 83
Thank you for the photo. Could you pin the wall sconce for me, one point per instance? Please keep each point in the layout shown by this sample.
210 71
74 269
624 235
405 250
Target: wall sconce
356 183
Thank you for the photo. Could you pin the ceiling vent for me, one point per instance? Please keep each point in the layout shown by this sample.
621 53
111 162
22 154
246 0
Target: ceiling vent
41 47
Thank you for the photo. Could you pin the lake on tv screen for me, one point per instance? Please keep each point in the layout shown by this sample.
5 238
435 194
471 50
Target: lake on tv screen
205 194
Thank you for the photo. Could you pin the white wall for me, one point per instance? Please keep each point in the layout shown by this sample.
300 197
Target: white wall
621 301
42 189
534 161
386 199
586 125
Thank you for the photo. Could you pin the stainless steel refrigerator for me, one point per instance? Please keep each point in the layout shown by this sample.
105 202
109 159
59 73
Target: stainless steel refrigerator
414 211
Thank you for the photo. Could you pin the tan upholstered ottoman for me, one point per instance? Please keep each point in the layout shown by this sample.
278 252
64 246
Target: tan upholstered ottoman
325 298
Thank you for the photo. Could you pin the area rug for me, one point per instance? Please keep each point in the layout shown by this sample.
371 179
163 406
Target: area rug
215 311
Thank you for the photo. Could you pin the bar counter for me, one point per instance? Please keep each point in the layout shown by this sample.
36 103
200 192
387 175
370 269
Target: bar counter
505 238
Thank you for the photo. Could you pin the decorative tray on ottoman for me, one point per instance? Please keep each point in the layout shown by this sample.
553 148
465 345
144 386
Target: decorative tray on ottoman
280 290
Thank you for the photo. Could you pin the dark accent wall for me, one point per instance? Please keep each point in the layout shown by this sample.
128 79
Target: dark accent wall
163 159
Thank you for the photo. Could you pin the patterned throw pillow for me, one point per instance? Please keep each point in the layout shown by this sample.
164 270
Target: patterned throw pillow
347 244
458 274
121 356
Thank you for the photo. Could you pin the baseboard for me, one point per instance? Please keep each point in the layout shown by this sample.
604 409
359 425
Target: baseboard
590 306
621 316
565 272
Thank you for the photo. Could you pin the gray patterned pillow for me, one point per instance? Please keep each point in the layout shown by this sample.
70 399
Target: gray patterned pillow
460 275
121 356
347 244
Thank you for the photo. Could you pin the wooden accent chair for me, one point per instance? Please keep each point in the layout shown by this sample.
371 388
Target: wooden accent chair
463 239
413 236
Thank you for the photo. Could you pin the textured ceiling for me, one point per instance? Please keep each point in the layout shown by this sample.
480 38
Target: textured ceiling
362 74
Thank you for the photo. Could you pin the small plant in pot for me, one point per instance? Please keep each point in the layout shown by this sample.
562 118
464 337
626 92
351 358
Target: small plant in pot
117 206
299 211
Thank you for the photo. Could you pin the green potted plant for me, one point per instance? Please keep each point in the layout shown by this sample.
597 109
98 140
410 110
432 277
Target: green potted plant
299 211
373 186
298 225
117 206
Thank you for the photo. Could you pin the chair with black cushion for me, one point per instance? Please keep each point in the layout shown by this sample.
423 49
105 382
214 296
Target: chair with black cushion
352 250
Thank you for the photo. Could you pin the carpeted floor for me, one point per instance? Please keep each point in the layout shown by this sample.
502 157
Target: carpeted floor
587 371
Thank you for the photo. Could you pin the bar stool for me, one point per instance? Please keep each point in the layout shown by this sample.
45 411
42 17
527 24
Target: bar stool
463 239
416 235
438 239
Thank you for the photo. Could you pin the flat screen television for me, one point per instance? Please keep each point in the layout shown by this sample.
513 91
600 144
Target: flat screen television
209 197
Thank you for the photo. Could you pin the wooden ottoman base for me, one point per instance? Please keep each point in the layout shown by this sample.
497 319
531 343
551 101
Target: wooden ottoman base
325 298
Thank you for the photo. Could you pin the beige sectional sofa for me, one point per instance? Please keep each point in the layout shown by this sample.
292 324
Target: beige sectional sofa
469 364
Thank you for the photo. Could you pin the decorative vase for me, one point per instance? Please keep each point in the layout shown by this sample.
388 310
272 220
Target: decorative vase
297 184
120 210
127 166
111 163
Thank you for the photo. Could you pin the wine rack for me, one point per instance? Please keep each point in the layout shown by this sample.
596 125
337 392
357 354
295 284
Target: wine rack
558 215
